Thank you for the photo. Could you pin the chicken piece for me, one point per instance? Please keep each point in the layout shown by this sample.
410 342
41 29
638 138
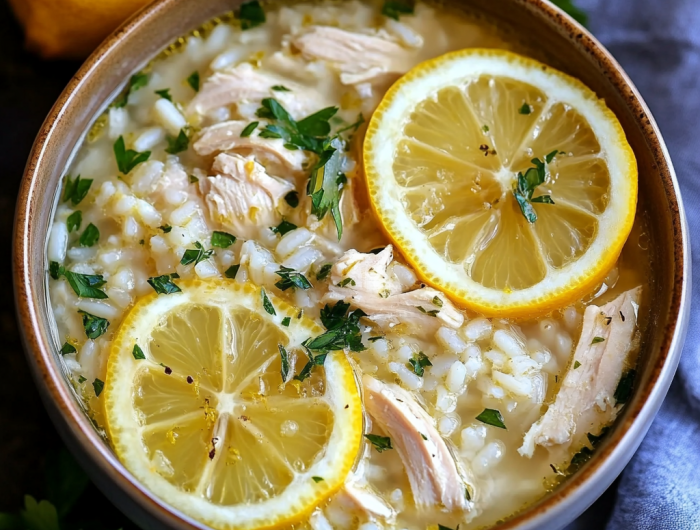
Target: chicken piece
379 295
242 196
585 402
226 136
359 58
361 497
433 473
243 84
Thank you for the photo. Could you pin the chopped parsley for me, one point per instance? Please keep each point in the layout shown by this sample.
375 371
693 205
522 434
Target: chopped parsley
267 305
128 159
138 80
326 184
429 312
624 387
418 363
437 301
222 239
67 348
313 361
492 417
595 440
98 385
380 443
485 128
342 331
292 198
285 362
291 279
74 221
580 458
527 182
164 284
346 281
375 339
395 8
280 88
323 272
165 228
56 270
137 352
85 285
81 379
576 365
353 126
424 437
76 190
94 326
443 527
597 340
193 80
251 15
165 94
525 109
193 179
178 144
575 12
232 271
283 227
286 321
248 129
317 479
195 255
90 236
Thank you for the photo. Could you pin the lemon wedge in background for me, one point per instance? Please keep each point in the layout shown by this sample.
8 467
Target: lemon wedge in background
505 183
197 410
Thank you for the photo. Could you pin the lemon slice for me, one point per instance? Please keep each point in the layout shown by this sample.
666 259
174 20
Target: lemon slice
205 421
442 157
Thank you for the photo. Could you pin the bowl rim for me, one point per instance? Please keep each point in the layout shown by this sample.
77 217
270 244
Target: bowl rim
567 502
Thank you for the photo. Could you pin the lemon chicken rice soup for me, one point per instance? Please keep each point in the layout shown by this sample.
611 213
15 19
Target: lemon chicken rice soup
350 265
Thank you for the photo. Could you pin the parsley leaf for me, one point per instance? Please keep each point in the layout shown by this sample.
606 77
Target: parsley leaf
179 144
193 179
575 12
222 239
138 80
347 281
580 458
74 220
90 236
326 184
285 362
166 228
624 387
98 385
290 279
317 479
283 227
394 8
67 348
56 270
443 527
280 88
418 363
380 443
286 321
267 305
35 516
251 15
429 312
165 94
292 198
164 284
576 365
94 326
128 159
323 272
232 271
137 352
193 80
195 255
248 129
437 301
525 109
525 187
86 285
595 440
76 190
342 331
597 340
354 126
492 417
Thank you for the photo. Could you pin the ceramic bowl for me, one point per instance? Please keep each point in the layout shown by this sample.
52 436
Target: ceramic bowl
562 44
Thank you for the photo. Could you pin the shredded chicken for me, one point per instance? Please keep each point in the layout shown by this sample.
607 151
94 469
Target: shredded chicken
242 196
585 402
367 284
244 83
359 58
361 496
226 136
434 475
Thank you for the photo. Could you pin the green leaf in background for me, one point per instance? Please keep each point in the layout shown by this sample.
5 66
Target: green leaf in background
39 515
65 481
576 13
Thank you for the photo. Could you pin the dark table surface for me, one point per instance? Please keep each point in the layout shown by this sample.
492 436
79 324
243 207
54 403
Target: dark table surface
28 88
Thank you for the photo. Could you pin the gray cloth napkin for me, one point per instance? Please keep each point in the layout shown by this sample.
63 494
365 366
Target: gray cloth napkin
658 44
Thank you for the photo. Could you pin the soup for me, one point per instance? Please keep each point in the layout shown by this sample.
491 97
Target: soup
198 234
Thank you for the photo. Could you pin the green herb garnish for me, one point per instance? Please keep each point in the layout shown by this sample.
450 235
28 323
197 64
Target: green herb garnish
248 129
138 80
285 362
342 331
323 272
232 271
526 185
418 363
380 443
429 312
292 198
354 126
525 109
222 239
165 94
443 527
346 281
128 159
326 185
597 340
98 385
195 255
286 321
595 440
94 326
165 228
267 305
67 348
492 417
313 361
193 179
193 80
74 220
90 236
317 479
164 284
283 227
251 15
76 190
576 365
85 285
280 88
624 387
178 144
437 301
290 279
137 352
395 8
